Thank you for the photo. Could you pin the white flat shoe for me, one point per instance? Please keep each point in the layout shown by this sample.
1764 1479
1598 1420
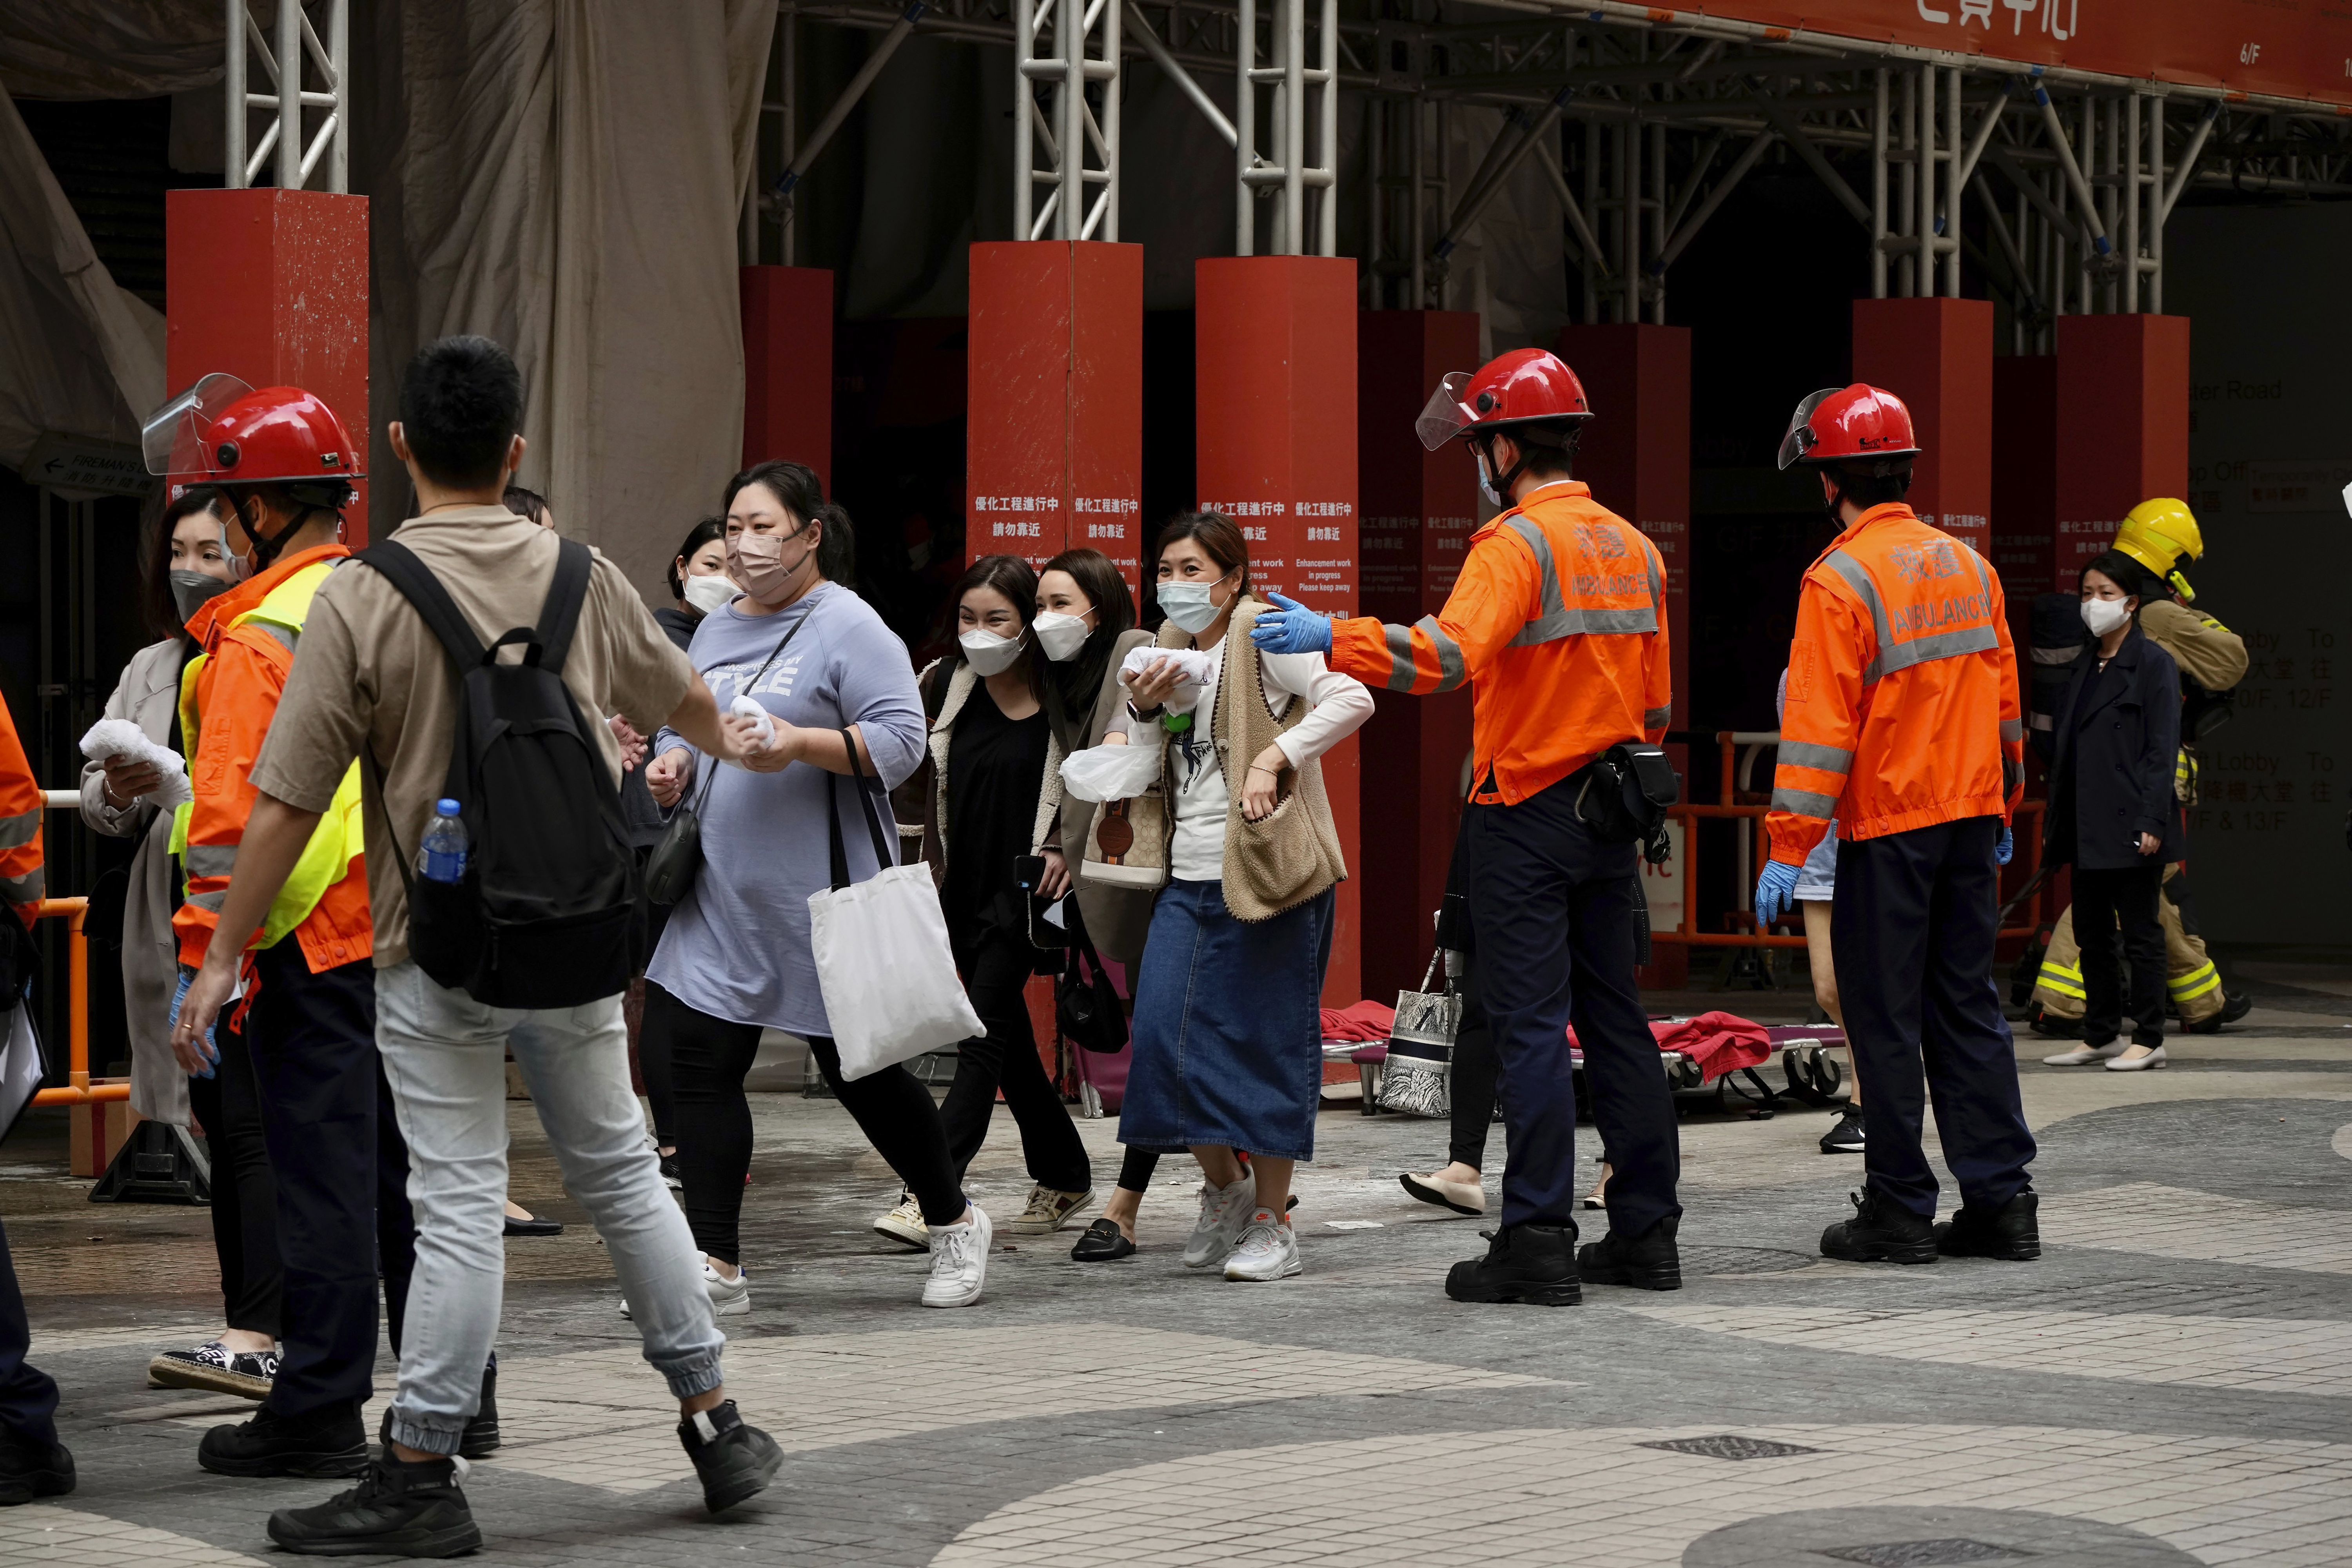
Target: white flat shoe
2084 1056
1462 1197
2154 1058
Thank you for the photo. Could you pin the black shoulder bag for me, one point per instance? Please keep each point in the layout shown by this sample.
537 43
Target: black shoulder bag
676 859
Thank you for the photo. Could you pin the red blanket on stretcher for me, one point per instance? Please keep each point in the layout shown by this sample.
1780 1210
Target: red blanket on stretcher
1718 1042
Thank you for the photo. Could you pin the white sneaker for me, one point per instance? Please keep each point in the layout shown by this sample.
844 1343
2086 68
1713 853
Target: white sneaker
1049 1210
2084 1056
959 1261
729 1298
905 1224
1224 1212
2154 1058
1268 1249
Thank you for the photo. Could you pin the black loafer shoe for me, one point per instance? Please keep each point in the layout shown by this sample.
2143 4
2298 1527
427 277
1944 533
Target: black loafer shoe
398 1509
534 1226
735 1461
324 1442
1535 1264
1648 1262
1879 1232
29 1470
2011 1232
1102 1242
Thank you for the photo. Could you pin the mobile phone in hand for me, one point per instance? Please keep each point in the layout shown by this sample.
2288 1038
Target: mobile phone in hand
1029 871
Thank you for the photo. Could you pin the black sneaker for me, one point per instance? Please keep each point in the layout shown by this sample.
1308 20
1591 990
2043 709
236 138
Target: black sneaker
1647 1262
398 1509
329 1441
2235 1005
1879 1232
735 1461
672 1177
29 1470
212 1366
1535 1264
1845 1138
2011 1232
481 1437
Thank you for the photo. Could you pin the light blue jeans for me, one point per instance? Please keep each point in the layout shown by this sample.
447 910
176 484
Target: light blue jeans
445 1056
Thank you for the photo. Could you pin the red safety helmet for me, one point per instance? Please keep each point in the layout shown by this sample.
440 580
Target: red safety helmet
222 432
1850 425
1522 387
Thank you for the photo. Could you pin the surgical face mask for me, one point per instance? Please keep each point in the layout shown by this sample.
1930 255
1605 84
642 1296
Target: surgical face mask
2103 615
757 561
710 592
1186 604
191 590
987 653
1061 635
1486 485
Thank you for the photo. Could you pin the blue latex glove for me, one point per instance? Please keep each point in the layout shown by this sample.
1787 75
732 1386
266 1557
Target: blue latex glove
2005 848
1775 890
211 1047
1295 629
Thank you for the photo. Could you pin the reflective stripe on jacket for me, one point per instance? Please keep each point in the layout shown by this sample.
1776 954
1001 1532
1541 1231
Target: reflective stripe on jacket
22 882
228 695
1903 699
1558 624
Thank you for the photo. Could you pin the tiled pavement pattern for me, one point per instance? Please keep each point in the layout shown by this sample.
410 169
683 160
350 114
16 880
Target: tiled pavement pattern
2166 1386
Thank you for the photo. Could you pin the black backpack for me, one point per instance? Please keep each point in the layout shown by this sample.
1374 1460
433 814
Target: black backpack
549 912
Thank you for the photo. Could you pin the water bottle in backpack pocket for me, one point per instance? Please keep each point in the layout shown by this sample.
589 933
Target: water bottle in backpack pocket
441 854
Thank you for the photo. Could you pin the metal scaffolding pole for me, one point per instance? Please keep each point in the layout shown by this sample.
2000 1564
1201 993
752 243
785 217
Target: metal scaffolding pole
1878 189
282 54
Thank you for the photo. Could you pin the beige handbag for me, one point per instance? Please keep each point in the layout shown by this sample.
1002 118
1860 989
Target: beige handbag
1128 845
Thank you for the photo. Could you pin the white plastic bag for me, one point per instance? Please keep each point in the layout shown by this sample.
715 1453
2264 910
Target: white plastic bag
1111 773
883 962
121 737
1192 661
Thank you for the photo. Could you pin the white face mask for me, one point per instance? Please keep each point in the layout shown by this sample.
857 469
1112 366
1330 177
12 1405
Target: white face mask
2103 615
987 653
1188 605
1061 635
710 591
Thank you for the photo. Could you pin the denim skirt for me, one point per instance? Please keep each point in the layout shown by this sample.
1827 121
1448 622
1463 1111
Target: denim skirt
1228 1027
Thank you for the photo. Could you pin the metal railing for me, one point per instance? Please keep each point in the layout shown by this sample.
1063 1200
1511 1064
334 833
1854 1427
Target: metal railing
1756 847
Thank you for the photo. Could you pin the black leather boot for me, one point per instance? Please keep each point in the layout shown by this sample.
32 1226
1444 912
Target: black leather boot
1647 1262
1881 1231
1535 1264
2011 1232
329 1441
398 1509
29 1470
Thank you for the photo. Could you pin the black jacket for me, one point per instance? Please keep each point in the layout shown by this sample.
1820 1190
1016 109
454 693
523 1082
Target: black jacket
2111 759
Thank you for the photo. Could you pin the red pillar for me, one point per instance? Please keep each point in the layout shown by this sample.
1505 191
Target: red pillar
1274 351
1636 456
787 366
271 287
2024 476
1055 453
1419 511
1937 355
2122 432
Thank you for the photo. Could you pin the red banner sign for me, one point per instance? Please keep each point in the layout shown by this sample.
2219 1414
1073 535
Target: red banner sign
2293 48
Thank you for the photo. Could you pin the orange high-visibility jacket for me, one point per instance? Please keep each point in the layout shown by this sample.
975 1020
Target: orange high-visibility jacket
1558 624
1902 701
22 881
238 683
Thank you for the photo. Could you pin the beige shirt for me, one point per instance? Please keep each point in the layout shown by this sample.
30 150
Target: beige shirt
368 671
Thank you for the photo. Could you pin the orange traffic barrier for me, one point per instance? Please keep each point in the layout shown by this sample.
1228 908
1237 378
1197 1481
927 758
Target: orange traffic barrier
2027 823
78 1089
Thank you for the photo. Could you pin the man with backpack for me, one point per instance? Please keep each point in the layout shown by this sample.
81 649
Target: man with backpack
517 930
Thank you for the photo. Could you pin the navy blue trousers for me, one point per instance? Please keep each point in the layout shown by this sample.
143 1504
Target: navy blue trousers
28 1396
343 1219
1912 930
1552 914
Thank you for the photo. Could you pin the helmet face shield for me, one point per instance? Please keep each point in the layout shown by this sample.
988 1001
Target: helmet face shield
1801 437
1446 415
172 440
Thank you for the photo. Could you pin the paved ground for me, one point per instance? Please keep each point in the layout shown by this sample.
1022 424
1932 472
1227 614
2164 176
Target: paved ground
2171 1384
